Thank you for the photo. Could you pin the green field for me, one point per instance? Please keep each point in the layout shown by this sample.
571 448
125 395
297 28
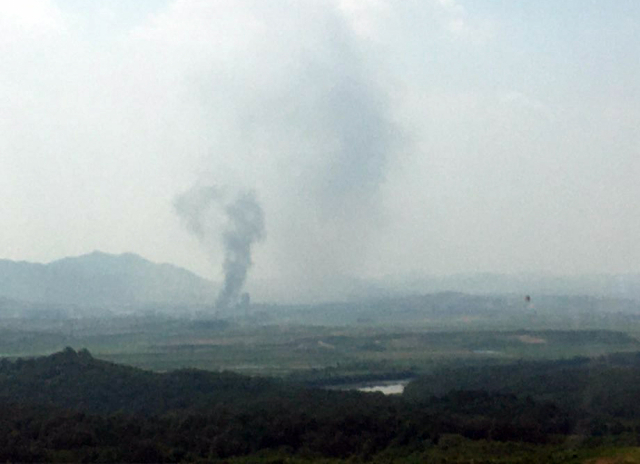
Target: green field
306 351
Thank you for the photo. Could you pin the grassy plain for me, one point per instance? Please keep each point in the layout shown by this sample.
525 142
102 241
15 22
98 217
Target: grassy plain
299 347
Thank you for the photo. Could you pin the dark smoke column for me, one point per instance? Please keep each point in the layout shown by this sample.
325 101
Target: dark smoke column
244 226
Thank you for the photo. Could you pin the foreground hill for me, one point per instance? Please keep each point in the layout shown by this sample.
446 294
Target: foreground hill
101 279
70 407
76 380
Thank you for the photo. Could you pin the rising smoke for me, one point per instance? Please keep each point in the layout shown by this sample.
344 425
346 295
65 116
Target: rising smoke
203 209
307 119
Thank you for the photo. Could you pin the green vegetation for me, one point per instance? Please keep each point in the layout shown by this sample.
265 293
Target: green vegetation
266 386
72 407
161 343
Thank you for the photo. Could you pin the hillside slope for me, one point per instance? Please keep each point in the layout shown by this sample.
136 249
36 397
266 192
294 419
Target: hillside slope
101 279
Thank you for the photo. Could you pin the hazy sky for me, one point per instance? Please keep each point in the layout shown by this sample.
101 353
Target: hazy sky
381 137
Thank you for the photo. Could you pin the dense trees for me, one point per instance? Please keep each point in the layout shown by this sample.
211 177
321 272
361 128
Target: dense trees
72 407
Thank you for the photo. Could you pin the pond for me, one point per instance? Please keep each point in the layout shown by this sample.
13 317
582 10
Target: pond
387 387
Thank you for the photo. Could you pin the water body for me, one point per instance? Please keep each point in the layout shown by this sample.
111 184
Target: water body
387 387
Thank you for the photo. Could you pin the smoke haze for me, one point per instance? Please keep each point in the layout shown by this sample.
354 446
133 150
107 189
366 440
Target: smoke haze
209 214
245 227
383 138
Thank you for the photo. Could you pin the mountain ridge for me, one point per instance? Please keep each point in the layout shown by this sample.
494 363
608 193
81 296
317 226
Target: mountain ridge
102 279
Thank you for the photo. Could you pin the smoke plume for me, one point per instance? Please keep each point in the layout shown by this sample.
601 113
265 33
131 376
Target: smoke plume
307 118
202 210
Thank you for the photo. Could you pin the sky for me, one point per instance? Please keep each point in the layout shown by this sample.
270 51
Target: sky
380 137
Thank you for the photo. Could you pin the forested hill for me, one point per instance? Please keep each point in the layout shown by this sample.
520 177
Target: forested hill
76 380
72 407
607 386
102 279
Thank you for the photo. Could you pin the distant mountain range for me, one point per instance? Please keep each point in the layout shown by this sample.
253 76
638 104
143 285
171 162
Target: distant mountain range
354 289
624 286
103 280
127 280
